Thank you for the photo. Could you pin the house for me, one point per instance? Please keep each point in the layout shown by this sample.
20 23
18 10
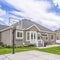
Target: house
27 32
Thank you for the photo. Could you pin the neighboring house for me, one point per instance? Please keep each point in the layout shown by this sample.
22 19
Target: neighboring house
58 36
27 32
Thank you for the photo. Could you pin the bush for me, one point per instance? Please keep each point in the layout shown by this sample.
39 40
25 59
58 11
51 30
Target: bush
31 45
1 44
7 46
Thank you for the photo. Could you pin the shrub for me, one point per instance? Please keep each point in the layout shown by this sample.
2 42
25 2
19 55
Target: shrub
31 45
1 44
7 46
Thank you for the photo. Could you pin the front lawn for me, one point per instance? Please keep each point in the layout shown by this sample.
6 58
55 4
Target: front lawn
53 50
21 49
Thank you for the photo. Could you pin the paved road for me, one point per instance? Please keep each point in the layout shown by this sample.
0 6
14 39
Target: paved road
30 55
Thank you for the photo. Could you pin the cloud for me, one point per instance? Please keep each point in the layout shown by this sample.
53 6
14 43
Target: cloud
57 2
31 8
37 11
1 19
2 12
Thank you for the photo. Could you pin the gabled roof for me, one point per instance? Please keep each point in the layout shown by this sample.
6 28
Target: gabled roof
27 23
3 26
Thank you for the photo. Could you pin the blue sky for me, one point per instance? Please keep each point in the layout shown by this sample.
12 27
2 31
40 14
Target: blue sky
44 12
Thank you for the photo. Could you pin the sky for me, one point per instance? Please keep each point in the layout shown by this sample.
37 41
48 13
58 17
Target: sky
44 12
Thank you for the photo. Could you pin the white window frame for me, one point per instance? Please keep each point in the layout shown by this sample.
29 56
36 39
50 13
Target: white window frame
19 37
40 36
53 37
29 36
45 36
33 34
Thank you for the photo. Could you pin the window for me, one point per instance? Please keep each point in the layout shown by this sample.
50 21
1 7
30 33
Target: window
51 37
28 34
44 36
31 35
19 34
34 36
38 36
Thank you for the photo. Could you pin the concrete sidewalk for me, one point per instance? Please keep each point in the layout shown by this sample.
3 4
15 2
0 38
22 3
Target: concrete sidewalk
48 46
30 55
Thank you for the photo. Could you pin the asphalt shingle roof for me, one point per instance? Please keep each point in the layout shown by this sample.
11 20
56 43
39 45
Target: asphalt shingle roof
27 23
3 26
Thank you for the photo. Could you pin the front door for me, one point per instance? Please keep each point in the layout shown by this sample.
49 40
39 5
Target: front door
33 37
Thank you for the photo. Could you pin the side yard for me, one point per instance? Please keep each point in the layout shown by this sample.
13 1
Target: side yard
53 50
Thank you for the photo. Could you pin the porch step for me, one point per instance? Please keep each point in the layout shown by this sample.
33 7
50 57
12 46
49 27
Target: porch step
40 44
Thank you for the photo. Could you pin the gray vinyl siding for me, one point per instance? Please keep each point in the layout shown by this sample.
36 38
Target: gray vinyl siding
26 42
5 37
49 38
18 42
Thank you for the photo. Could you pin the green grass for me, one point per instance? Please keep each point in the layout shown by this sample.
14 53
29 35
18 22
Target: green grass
9 50
54 50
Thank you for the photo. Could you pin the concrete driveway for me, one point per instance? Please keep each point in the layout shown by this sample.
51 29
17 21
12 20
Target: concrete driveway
30 55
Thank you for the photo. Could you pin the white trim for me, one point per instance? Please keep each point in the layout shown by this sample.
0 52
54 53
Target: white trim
31 27
20 32
39 34
33 40
5 29
29 36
